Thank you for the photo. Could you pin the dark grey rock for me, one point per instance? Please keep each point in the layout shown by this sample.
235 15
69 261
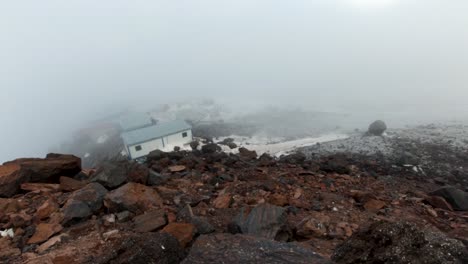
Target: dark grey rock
458 199
377 128
233 249
265 220
399 243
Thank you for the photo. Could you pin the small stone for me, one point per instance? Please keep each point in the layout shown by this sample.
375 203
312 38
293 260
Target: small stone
223 201
177 168
374 205
50 243
109 234
123 216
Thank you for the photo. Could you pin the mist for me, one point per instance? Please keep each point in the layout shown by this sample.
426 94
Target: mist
64 63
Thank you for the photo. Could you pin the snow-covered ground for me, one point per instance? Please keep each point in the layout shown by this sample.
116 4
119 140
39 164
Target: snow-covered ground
277 146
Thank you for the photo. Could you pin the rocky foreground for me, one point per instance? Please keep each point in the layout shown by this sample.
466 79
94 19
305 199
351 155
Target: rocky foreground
207 206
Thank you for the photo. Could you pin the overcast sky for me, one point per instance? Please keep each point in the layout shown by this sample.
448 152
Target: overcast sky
63 62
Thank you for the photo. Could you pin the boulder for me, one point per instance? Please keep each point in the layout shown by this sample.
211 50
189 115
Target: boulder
377 128
458 199
438 202
156 155
17 172
405 243
11 179
210 148
110 175
84 202
264 220
233 249
247 154
143 248
133 197
150 221
49 169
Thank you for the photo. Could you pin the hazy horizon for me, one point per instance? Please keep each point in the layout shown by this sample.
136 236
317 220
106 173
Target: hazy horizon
67 62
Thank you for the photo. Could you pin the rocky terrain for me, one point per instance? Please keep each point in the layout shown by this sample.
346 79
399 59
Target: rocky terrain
365 199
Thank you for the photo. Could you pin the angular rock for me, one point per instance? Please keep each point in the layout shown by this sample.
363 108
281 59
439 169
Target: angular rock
50 168
84 202
51 242
385 242
155 178
11 179
377 128
110 175
40 187
150 221
439 202
202 225
264 220
46 209
314 226
69 184
44 232
143 248
247 154
233 249
184 232
458 199
223 201
133 197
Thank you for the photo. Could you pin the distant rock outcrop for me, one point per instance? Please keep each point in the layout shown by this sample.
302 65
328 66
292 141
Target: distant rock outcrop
377 128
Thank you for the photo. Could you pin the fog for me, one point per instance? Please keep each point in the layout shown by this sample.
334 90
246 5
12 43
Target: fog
63 63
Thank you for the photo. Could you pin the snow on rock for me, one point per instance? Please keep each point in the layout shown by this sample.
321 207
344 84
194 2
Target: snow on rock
276 146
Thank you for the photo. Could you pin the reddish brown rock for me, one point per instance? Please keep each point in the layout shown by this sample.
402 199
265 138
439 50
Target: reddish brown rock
8 249
182 231
177 168
44 232
150 221
222 201
50 168
11 179
40 187
133 197
46 209
374 205
314 226
20 219
69 185
278 199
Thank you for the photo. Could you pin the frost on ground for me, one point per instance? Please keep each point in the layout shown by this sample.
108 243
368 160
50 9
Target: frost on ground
277 146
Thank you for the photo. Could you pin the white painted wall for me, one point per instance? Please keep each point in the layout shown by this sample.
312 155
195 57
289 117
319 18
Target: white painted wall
169 143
